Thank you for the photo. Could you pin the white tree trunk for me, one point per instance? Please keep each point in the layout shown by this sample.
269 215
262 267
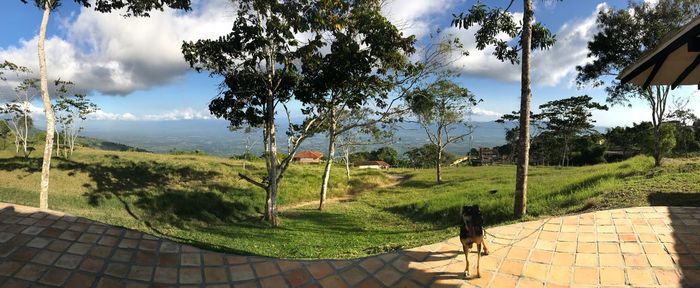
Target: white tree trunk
347 162
329 164
46 163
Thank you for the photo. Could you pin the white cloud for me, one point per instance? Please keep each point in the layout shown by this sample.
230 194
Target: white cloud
416 17
117 55
549 67
184 114
483 112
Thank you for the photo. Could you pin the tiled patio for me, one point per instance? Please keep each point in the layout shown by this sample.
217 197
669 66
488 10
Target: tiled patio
647 246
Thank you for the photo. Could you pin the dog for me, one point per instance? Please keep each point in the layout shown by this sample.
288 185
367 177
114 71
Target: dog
471 231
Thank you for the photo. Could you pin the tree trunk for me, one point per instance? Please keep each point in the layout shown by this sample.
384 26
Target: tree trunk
438 168
58 144
46 163
520 205
347 162
272 167
329 162
657 144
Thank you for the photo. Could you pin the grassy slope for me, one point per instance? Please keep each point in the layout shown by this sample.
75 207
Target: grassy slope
197 199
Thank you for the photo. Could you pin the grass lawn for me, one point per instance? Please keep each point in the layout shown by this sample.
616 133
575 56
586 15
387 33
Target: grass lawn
200 200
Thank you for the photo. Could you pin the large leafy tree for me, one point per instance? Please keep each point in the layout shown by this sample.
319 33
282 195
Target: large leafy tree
567 118
494 22
367 55
258 61
439 108
624 35
131 8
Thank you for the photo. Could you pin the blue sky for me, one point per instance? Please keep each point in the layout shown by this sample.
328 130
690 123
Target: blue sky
134 70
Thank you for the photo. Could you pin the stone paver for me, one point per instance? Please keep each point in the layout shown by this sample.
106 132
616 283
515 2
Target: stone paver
643 246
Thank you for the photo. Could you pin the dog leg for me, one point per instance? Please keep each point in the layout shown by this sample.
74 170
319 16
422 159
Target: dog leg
478 259
486 250
466 260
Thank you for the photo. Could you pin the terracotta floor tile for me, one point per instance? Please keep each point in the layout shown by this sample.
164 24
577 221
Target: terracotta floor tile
587 247
607 247
517 253
242 272
586 259
215 275
611 276
632 260
640 277
264 269
504 281
536 271
660 260
388 275
298 277
511 267
560 274
630 248
611 260
568 247
667 277
276 281
541 256
563 259
586 275
190 275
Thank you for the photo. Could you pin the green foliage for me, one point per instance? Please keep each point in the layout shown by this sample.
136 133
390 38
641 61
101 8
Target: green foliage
386 154
495 22
568 118
426 155
5 133
257 59
133 7
624 35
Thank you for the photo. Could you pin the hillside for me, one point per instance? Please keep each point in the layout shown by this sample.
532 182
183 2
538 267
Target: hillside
199 199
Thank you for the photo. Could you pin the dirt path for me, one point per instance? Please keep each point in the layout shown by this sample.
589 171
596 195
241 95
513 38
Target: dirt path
398 179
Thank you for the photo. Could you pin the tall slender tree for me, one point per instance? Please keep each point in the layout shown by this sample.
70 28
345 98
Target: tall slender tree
493 22
624 35
131 8
438 109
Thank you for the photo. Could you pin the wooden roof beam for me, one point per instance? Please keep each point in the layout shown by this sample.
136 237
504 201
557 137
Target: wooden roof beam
686 72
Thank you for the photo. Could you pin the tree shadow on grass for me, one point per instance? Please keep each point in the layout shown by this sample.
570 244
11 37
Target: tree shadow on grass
493 213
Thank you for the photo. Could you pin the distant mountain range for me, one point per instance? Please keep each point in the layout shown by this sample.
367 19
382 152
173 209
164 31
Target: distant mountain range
213 136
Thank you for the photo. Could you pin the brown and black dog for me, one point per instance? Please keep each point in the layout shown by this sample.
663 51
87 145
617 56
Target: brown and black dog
471 230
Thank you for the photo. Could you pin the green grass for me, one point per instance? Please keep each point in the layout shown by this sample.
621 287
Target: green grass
200 200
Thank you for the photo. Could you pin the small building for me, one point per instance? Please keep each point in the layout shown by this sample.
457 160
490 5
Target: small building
371 165
308 157
488 155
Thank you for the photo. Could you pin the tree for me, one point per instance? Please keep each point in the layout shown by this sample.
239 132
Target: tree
367 53
511 124
133 8
71 112
18 108
438 109
258 62
386 154
494 22
569 117
424 156
684 119
624 35
5 132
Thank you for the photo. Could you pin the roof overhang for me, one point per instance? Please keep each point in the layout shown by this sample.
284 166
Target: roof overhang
674 62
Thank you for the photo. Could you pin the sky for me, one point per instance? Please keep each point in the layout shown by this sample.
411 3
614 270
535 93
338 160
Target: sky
133 69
